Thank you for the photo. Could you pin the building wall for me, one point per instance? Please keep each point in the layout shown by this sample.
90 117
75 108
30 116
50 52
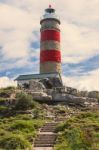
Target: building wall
22 82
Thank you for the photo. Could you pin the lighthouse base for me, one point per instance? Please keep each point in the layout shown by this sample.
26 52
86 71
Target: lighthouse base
49 80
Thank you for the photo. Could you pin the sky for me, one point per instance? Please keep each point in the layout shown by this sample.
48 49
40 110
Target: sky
20 40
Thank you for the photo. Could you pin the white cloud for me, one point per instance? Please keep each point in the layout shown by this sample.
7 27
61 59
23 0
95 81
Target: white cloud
15 30
6 82
78 43
88 82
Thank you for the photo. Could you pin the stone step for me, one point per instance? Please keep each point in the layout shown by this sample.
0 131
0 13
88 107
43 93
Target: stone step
43 145
45 140
60 119
44 136
49 127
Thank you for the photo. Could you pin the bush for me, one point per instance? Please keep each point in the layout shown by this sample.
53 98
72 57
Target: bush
26 125
2 100
22 125
24 101
18 132
6 92
3 109
15 142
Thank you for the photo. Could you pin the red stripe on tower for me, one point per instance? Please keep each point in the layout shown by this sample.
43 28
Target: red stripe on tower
50 35
50 55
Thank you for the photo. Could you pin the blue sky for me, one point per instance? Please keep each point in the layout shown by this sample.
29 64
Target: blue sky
20 36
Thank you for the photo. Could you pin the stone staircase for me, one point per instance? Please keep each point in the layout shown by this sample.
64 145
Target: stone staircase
46 137
49 127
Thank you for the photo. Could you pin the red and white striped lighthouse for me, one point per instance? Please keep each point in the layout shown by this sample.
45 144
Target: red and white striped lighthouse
50 54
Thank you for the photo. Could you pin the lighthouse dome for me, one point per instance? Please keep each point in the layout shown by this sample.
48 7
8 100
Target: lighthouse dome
50 14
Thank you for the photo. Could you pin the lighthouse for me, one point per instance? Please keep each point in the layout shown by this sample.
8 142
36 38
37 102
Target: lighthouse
50 52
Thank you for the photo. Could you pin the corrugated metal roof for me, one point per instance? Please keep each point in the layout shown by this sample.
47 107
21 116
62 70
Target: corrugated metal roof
37 76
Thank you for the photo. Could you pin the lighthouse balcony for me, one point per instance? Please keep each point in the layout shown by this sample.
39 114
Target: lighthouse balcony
50 16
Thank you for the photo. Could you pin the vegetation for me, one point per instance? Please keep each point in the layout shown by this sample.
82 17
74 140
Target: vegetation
24 101
79 133
6 92
19 120
21 117
14 141
18 132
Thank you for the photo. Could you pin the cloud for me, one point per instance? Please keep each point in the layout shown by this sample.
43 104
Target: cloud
6 82
16 28
88 82
78 43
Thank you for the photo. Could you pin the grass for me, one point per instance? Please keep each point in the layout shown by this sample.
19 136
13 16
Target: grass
18 132
14 141
18 128
79 133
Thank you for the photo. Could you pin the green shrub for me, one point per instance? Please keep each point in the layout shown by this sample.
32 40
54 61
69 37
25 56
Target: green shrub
26 127
6 92
38 113
24 101
3 109
15 142
22 125
2 100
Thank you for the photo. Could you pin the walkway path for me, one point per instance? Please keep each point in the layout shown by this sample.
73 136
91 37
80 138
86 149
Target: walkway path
46 138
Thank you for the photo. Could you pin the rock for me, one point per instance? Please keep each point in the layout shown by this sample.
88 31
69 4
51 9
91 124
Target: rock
93 94
71 91
36 86
41 96
82 93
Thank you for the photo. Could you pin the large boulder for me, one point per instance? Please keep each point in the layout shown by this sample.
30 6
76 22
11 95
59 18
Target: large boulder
93 94
71 91
41 96
82 93
36 86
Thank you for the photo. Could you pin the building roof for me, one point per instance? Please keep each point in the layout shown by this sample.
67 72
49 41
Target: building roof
37 76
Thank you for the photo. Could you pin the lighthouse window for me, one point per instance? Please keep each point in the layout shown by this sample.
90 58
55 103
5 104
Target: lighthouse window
49 10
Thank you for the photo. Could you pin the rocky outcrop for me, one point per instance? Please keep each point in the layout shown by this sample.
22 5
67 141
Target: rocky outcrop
93 94
41 96
36 86
72 91
68 95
